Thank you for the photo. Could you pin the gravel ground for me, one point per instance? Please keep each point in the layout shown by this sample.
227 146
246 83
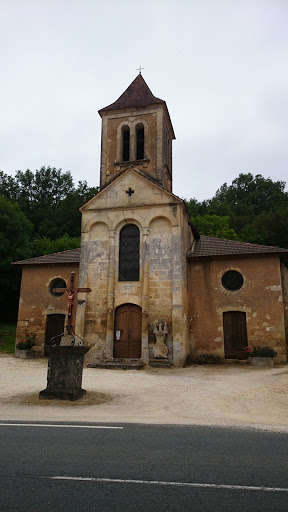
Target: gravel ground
225 395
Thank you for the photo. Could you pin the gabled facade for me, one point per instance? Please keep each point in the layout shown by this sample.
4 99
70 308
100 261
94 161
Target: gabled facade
147 265
159 226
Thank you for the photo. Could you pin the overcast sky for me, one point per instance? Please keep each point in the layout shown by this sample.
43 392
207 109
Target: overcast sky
221 66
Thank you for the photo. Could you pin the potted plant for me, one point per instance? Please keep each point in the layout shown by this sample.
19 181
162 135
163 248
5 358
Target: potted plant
261 355
24 347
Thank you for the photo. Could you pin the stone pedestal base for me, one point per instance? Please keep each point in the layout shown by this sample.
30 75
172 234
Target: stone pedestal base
64 376
261 361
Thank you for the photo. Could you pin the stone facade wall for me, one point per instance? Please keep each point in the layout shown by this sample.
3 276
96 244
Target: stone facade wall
260 298
160 280
94 274
36 302
162 284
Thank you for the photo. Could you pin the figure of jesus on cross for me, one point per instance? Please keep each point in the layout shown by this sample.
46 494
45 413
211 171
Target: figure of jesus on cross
70 294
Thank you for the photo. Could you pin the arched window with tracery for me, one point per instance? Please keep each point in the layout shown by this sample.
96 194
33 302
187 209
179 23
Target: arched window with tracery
129 246
140 142
125 144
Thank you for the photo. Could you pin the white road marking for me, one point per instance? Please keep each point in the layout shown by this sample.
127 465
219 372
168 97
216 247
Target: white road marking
176 484
57 426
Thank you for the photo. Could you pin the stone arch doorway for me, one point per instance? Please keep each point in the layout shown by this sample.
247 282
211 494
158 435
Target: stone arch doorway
127 331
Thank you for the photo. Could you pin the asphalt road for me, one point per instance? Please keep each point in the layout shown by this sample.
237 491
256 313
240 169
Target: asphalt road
70 467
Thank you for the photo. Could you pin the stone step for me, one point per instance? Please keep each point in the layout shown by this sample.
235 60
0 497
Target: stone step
160 363
119 364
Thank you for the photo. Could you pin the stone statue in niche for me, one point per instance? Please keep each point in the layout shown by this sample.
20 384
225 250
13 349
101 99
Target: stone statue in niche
160 350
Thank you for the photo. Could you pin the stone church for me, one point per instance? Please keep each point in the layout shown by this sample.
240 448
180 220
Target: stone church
159 290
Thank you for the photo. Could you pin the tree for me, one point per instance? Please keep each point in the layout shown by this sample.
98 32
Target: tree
249 195
43 245
49 199
15 230
196 208
216 226
242 202
268 228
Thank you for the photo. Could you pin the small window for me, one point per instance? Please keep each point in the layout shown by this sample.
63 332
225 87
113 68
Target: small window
140 142
125 144
57 283
129 253
232 280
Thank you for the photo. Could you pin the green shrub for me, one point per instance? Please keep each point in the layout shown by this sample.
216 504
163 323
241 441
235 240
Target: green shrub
264 351
28 341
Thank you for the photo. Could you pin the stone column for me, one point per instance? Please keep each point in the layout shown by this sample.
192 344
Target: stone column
80 305
132 143
108 352
177 305
145 296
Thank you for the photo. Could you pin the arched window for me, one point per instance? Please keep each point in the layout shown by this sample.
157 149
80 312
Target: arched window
129 253
125 144
140 142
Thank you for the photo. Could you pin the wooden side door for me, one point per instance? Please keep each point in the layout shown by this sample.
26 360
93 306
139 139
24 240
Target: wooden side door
235 335
54 327
135 325
128 332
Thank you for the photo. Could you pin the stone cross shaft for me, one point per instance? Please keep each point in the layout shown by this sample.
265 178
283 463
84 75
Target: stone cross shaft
71 292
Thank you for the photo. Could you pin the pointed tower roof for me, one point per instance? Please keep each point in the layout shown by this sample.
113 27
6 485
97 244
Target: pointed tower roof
137 94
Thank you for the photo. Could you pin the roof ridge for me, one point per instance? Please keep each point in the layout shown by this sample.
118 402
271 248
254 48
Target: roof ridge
140 173
243 243
52 258
208 246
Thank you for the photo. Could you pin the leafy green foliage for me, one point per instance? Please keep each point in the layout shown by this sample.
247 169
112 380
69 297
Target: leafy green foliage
260 351
214 225
15 230
39 214
249 195
268 228
27 342
49 200
44 245
256 209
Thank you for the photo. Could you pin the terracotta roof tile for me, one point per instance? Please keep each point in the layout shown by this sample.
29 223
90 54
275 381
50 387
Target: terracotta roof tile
137 94
208 246
72 256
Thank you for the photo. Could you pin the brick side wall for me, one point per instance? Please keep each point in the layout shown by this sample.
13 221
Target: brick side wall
284 275
260 298
36 302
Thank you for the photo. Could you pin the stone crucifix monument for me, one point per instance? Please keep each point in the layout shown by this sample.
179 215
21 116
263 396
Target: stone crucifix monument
65 361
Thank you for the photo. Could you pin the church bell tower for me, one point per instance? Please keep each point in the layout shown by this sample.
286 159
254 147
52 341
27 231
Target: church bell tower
137 132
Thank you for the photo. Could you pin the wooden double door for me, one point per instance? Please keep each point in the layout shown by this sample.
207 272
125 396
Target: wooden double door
128 331
235 335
